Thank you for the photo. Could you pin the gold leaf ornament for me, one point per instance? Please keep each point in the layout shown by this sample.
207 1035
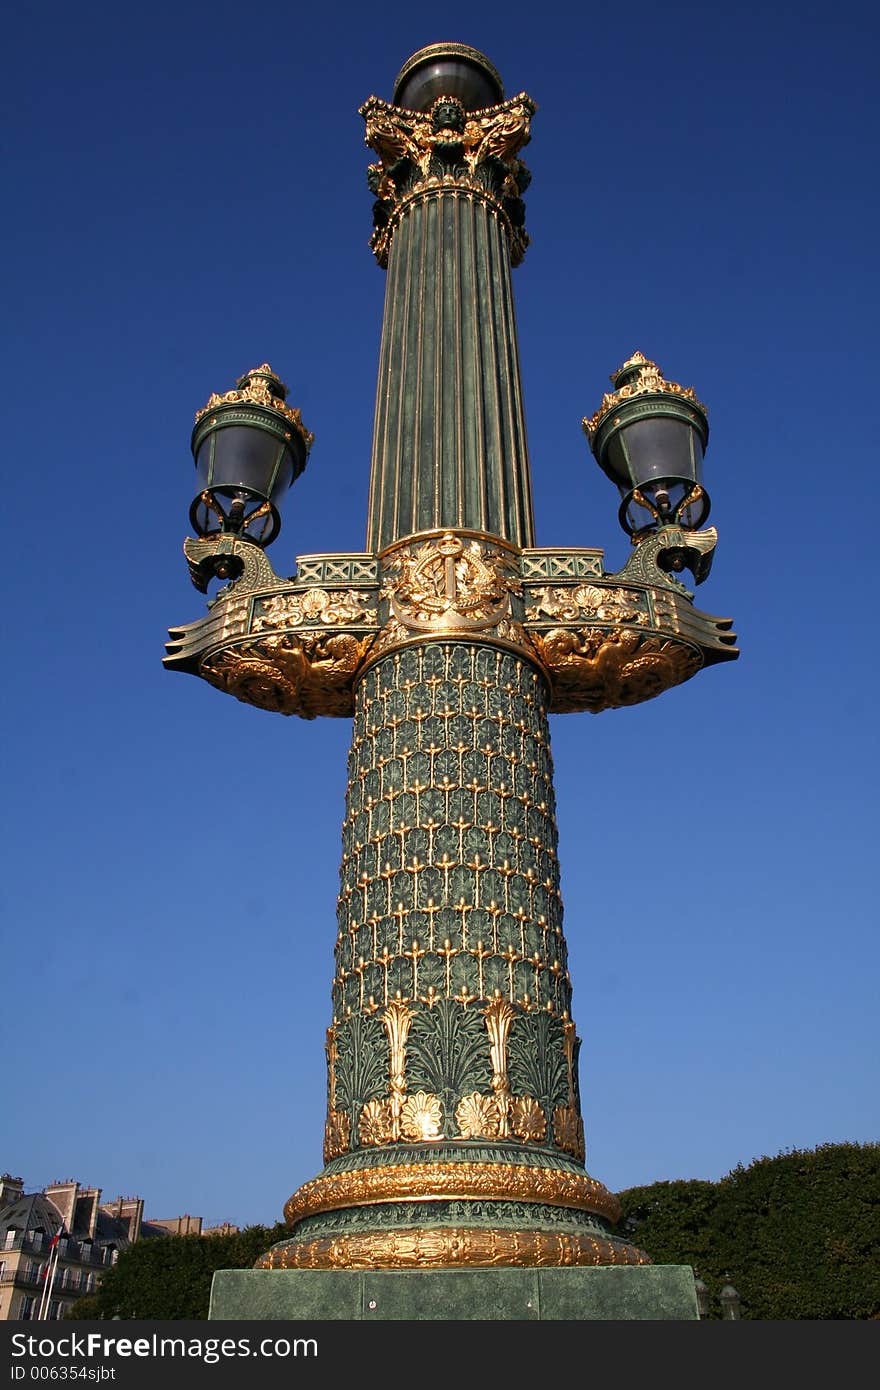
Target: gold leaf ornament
478 1116
376 1123
337 1134
527 1119
421 1116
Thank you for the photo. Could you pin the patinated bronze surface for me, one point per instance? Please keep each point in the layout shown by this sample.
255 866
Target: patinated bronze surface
454 1131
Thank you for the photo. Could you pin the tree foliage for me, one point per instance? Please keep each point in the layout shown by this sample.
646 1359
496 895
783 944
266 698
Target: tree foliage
798 1235
170 1276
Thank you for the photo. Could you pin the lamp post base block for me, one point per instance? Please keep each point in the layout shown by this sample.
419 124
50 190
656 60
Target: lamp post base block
604 1293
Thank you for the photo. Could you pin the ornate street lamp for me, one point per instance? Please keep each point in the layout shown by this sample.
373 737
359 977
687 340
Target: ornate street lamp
649 436
454 1134
249 446
702 1292
731 1303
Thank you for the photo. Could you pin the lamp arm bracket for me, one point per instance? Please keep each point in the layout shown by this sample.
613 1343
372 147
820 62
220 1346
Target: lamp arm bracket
244 563
300 645
651 558
610 640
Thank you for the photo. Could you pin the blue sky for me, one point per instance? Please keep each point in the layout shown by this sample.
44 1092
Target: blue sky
186 198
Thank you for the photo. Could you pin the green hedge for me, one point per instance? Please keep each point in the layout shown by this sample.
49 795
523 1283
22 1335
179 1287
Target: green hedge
799 1234
170 1276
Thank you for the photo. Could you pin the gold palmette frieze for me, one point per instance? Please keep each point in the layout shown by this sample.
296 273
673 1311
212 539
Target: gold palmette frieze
439 1182
429 1248
330 607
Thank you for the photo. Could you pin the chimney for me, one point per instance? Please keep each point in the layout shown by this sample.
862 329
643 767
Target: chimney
10 1189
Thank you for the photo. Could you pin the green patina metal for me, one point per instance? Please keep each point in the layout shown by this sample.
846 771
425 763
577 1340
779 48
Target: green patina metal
450 903
654 1292
449 445
454 1129
514 1216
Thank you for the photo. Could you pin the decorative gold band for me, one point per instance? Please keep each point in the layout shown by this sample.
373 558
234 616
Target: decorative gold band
447 185
426 1249
435 1182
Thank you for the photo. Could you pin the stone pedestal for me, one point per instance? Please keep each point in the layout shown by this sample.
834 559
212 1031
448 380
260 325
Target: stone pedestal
604 1293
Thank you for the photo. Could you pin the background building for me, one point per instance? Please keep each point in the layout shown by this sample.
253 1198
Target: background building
90 1233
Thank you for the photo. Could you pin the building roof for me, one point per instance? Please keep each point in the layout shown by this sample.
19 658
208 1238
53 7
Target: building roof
30 1213
35 1211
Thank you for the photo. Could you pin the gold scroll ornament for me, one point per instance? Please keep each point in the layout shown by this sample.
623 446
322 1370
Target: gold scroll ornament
439 1247
307 674
434 1182
595 669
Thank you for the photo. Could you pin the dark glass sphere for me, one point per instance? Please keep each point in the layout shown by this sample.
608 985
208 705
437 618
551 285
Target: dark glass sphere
448 69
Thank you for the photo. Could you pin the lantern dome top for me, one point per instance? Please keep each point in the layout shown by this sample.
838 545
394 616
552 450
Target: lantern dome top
263 387
448 69
639 376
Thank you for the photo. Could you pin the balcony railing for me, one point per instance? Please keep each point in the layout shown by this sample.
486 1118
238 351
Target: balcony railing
73 1283
76 1251
22 1276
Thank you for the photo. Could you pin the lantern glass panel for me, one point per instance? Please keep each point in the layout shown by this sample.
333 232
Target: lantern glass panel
207 522
240 456
667 494
656 447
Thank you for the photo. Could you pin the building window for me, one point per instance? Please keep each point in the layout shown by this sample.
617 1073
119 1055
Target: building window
27 1308
62 1245
10 1238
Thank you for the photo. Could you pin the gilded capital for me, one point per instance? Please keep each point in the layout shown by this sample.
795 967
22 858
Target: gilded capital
448 149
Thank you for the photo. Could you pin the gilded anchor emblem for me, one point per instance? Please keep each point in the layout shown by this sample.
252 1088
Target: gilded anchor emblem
448 584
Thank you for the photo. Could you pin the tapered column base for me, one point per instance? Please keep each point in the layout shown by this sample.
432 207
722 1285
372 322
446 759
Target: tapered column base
541 1209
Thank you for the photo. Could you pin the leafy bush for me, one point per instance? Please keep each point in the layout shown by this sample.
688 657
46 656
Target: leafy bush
170 1276
799 1234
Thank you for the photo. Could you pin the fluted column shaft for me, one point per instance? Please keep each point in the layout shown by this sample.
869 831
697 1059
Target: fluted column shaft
449 445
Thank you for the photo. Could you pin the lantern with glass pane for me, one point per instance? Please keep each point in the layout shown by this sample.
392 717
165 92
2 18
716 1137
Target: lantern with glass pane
648 436
248 446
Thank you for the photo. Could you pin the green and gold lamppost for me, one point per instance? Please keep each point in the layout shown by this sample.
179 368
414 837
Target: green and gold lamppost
454 1135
